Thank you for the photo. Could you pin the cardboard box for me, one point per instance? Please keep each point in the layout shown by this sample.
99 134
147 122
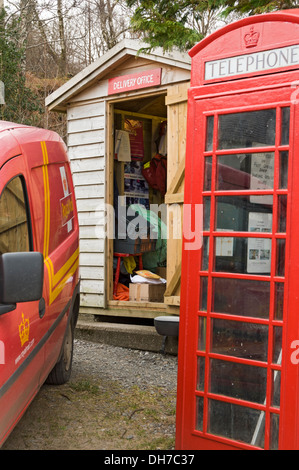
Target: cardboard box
147 292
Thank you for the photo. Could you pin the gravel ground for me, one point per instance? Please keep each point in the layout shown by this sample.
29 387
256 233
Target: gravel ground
129 367
117 399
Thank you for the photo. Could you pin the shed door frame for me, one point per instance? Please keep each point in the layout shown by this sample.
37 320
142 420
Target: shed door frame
111 105
196 348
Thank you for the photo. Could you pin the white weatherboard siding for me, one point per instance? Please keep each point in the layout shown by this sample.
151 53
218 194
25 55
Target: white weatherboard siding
86 100
86 146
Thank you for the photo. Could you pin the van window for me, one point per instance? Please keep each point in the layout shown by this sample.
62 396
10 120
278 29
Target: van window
14 228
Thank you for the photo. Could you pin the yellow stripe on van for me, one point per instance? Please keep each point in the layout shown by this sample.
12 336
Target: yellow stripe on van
56 281
62 283
62 271
46 199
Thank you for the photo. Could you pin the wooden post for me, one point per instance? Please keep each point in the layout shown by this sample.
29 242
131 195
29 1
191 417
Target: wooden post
177 129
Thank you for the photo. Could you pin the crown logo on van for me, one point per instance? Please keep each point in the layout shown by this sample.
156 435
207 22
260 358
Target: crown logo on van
252 38
24 330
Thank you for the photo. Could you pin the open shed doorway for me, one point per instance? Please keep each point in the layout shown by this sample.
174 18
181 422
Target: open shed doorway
133 195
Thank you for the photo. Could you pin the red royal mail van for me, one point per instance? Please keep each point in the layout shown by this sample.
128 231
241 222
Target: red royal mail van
39 256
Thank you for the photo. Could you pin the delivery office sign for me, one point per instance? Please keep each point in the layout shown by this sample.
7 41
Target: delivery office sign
136 81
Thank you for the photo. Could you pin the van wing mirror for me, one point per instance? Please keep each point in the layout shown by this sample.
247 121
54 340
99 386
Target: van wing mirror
21 277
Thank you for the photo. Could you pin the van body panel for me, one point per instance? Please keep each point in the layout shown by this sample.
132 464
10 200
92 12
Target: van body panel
36 184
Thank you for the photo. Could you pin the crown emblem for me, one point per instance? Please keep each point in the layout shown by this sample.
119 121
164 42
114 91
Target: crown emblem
252 38
24 330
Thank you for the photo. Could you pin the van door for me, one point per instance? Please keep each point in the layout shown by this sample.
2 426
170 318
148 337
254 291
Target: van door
52 195
21 354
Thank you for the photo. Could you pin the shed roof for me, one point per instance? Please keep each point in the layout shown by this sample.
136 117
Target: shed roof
103 66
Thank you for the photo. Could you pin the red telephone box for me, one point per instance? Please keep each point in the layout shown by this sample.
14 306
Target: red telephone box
238 378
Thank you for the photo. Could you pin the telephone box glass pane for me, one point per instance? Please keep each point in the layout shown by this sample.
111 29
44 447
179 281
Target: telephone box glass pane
245 171
239 339
237 422
285 126
248 129
200 374
208 174
206 213
280 257
202 333
282 213
241 297
278 304
240 381
205 254
203 294
276 377
244 213
243 255
283 170
274 432
199 413
277 345
210 133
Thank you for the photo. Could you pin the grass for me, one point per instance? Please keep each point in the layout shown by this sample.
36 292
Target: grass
98 415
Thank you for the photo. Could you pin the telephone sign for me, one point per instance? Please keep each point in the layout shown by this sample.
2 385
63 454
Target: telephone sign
252 63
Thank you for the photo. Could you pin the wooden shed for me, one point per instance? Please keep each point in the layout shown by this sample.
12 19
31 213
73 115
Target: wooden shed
125 96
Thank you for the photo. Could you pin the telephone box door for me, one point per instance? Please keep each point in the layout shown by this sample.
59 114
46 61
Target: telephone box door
237 320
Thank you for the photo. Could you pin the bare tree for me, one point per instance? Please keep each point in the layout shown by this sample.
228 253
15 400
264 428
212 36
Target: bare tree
108 23
63 36
62 58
